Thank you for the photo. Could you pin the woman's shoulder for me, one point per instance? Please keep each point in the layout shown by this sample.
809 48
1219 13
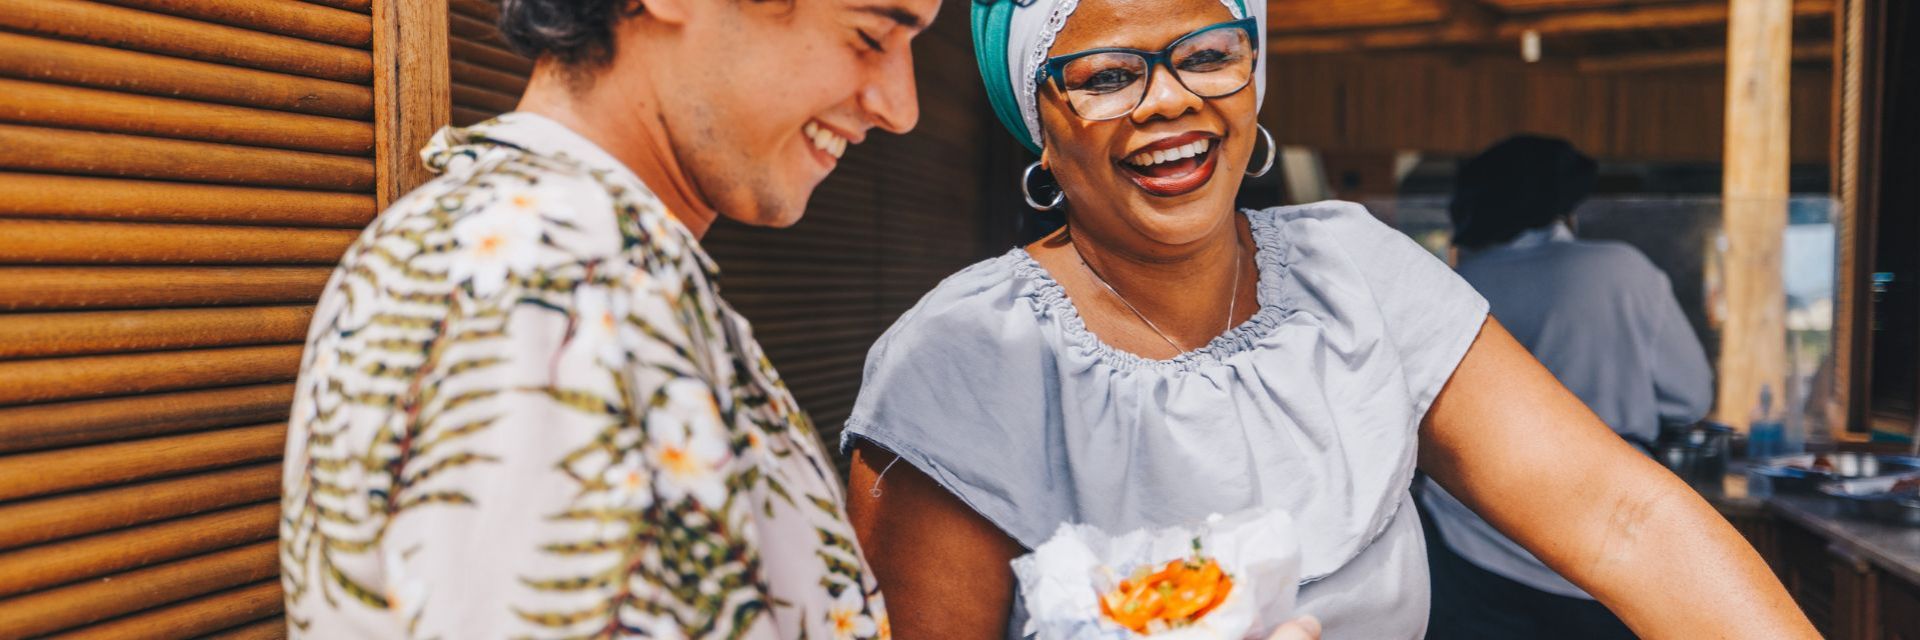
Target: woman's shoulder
1318 222
969 307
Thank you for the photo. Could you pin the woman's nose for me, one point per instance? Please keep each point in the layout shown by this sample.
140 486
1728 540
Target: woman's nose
1166 98
891 99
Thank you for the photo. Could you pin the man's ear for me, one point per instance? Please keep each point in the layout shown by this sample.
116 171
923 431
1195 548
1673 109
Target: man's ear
672 12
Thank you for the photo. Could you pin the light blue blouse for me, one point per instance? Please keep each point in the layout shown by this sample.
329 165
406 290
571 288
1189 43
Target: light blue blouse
993 386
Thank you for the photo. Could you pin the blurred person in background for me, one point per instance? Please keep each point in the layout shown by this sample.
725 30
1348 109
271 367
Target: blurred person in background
1604 320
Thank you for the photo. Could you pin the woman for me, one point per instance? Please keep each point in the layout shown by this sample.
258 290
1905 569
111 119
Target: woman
1166 358
1602 318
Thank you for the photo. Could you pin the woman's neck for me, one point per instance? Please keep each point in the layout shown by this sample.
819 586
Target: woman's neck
618 113
1184 292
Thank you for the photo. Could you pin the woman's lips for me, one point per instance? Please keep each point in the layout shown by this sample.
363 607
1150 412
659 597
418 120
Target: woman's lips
1178 177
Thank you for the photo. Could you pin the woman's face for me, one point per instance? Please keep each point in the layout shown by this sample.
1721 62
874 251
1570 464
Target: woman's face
1099 163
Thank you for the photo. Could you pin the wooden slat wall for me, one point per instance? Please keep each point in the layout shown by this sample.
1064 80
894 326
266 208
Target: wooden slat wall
177 178
1456 106
900 214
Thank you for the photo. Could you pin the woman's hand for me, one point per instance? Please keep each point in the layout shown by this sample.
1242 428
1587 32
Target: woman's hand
1519 449
1302 628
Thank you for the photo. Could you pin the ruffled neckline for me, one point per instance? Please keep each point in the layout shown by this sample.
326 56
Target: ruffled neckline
1269 256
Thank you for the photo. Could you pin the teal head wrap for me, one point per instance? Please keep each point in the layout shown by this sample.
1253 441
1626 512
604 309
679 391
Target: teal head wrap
1011 39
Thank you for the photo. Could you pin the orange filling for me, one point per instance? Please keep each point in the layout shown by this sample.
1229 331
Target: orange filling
1178 594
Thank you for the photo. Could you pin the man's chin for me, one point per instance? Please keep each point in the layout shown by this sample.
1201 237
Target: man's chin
774 213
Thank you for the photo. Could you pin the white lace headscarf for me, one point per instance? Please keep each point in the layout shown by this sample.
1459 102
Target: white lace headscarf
1011 39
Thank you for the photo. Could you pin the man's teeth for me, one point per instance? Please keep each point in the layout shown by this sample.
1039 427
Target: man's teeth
824 139
1182 152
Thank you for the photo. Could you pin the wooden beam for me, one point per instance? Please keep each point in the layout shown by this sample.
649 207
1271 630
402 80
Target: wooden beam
1753 334
1662 16
1314 15
1468 23
411 90
1689 58
1541 6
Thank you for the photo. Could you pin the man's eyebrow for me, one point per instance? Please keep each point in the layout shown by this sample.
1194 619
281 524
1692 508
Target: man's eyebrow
902 16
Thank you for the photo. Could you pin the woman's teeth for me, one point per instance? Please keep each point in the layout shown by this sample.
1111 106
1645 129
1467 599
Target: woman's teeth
1182 152
824 139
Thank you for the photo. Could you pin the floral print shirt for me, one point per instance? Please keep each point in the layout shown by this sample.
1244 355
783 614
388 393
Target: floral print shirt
524 411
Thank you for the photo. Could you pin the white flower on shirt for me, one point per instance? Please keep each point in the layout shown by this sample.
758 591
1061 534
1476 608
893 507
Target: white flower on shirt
687 445
493 243
631 482
599 315
848 616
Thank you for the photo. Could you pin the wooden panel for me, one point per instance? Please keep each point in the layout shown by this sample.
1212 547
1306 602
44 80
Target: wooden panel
412 99
37 288
190 619
156 33
177 179
483 99
59 563
41 335
24 195
1653 16
299 19
144 73
72 606
489 56
1899 608
90 421
95 110
116 155
43 242
48 472
57 379
492 79
357 6
1537 6
1459 105
274 628
60 517
1303 15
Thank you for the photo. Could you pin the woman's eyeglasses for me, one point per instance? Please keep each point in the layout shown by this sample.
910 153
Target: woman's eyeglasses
1108 83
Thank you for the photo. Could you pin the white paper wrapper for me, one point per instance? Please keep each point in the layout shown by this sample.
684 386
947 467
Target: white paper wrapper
1061 581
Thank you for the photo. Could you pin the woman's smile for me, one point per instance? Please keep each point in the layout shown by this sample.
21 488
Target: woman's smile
1172 166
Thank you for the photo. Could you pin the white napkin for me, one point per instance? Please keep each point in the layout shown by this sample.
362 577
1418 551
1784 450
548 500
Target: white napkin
1061 581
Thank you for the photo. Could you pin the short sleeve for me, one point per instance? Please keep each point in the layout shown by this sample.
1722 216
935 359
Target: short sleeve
1429 313
960 389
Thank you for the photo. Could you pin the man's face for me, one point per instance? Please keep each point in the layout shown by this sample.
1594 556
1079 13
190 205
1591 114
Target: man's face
761 97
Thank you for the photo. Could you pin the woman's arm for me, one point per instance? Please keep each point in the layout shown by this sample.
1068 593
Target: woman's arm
942 567
1519 449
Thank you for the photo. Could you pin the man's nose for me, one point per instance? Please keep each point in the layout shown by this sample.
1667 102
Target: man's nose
890 98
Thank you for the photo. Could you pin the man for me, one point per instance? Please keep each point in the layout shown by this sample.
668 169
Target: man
1604 320
524 410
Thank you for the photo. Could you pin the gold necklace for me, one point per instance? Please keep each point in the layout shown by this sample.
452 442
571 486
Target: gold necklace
1232 302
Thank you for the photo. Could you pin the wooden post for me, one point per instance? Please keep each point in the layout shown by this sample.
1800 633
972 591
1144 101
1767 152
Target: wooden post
1753 340
411 90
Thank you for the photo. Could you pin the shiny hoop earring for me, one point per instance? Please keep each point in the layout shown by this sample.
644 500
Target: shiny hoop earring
1272 152
1026 191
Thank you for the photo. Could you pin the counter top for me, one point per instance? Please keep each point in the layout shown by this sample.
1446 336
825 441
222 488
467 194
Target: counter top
1891 547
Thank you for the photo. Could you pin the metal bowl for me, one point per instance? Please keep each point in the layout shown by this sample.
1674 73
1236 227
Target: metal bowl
1800 473
1875 498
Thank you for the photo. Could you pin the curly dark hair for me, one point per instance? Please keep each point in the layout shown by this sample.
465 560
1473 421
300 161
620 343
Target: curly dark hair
574 32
